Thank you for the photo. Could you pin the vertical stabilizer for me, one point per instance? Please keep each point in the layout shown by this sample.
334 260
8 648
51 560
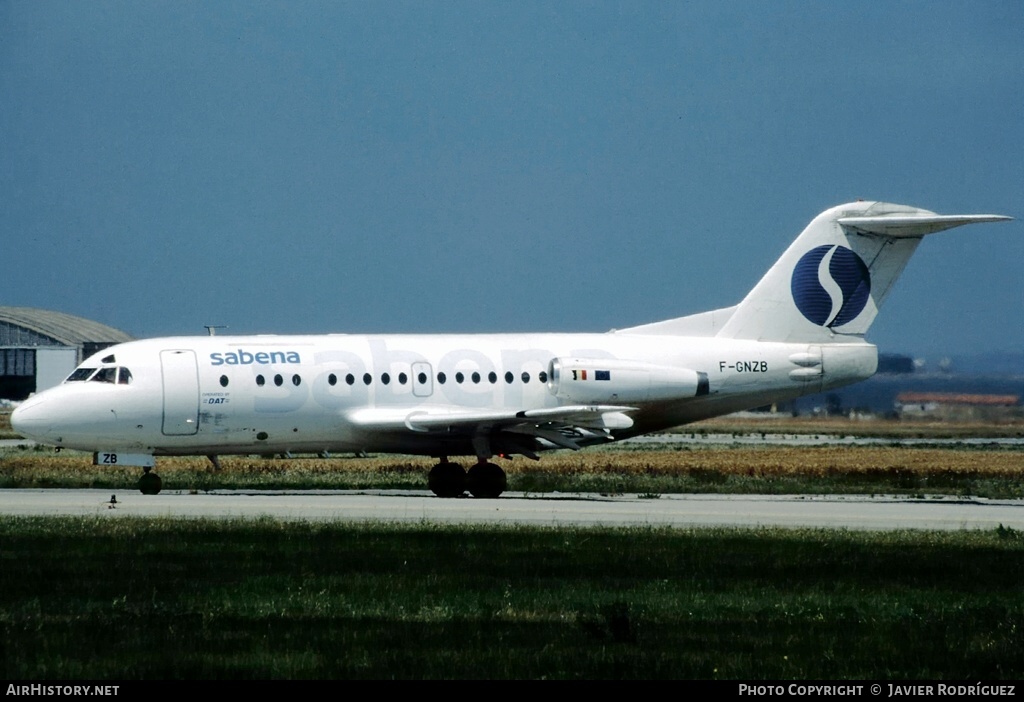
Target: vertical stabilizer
830 283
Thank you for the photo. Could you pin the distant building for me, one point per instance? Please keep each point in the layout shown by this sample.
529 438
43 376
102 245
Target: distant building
39 348
951 405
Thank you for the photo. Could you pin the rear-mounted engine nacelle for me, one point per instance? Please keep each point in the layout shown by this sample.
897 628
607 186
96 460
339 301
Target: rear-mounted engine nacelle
603 380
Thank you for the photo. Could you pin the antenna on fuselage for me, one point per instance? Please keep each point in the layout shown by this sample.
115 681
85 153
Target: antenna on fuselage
211 329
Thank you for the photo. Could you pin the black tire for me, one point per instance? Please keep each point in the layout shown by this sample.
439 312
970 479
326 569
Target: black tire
150 484
486 480
447 480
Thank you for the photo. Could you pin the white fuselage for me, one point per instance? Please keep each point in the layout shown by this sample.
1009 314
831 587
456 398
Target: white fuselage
338 393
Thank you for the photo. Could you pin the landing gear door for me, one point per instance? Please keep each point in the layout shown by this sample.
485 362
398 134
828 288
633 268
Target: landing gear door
181 392
422 379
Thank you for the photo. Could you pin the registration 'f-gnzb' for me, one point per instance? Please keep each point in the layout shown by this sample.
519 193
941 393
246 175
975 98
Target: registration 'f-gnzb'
799 331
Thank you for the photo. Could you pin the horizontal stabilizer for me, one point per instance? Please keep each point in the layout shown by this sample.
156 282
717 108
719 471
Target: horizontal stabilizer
913 225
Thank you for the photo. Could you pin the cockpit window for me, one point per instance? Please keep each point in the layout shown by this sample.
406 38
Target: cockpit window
120 376
105 375
80 374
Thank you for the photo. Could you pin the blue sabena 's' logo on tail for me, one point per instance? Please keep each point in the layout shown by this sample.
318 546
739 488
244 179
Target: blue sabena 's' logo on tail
830 285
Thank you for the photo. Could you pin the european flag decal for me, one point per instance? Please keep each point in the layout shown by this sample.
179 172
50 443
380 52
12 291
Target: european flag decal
602 375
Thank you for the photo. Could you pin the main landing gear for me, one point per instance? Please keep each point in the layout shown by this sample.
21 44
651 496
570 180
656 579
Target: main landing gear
486 480
448 479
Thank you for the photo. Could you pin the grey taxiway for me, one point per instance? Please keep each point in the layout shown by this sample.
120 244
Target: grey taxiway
548 509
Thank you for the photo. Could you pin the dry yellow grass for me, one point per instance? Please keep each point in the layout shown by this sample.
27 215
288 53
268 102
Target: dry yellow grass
786 461
777 461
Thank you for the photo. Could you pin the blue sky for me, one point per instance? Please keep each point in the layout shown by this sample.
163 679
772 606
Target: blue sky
483 166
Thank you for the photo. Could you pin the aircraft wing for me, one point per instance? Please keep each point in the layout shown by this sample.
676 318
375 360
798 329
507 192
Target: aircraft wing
557 425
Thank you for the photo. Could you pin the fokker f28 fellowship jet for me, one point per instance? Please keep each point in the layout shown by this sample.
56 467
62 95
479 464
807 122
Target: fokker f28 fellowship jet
799 331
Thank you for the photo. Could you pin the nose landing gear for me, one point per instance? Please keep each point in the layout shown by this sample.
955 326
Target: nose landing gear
150 483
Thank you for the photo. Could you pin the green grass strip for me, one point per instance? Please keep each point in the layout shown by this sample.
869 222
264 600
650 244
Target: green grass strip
166 598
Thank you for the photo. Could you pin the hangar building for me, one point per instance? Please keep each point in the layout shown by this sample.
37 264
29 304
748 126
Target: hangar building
39 348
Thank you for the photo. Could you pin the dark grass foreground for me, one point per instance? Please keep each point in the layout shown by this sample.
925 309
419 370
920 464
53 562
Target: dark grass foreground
133 598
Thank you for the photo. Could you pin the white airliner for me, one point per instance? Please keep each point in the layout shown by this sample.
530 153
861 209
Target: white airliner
799 331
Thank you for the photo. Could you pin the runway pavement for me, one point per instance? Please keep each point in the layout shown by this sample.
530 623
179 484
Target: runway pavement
824 511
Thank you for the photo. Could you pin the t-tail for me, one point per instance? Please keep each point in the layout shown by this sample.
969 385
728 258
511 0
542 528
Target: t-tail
830 283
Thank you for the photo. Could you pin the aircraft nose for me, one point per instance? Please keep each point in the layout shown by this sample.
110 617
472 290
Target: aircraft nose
30 420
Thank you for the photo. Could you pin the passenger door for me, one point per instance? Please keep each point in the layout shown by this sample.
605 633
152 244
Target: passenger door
181 392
